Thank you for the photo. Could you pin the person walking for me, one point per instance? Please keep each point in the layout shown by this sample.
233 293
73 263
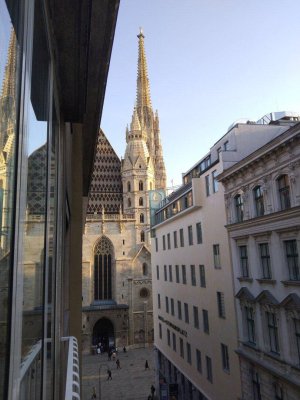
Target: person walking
124 349
118 364
152 391
146 365
109 377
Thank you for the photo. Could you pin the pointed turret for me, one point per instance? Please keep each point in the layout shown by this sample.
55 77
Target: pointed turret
135 123
9 81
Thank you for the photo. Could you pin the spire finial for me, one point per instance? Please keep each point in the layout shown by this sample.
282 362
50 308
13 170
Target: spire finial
141 34
143 90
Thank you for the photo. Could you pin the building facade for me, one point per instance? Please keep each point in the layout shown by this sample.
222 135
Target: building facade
49 114
262 195
194 311
117 277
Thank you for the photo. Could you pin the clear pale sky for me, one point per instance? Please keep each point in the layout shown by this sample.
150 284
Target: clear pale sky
210 62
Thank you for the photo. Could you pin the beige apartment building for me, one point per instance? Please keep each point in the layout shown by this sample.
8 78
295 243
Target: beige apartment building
262 195
194 311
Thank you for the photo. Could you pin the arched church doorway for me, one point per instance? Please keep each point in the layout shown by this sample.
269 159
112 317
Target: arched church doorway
103 332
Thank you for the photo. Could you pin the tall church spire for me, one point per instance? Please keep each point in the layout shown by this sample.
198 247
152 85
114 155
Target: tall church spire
143 98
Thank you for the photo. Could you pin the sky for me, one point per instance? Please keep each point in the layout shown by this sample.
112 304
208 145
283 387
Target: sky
210 63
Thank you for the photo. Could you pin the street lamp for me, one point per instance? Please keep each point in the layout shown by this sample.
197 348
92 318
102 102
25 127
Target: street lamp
103 365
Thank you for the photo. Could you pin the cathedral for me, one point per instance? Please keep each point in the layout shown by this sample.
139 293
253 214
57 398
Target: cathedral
116 256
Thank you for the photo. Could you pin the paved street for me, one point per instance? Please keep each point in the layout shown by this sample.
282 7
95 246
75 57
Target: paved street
131 382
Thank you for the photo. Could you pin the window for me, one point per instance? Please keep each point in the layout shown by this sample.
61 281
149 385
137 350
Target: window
207 188
272 332
158 300
190 235
225 357
160 331
175 239
179 309
169 241
255 385
221 304
188 353
205 321
202 276
278 391
103 261
181 347
265 260
199 361
167 304
169 337
193 275
250 324
142 236
183 270
177 273
226 145
164 242
209 375
214 181
244 261
258 201
172 307
199 232
157 272
156 244
297 336
216 252
186 313
129 202
170 273
141 218
128 187
174 341
181 237
165 273
284 192
141 201
291 252
145 269
196 317
239 208
141 186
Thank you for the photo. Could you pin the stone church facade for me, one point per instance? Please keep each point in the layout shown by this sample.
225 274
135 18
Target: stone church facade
116 264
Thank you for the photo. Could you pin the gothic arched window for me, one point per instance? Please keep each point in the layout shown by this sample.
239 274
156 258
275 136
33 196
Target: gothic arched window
141 186
142 218
141 201
129 202
142 236
103 255
128 187
145 269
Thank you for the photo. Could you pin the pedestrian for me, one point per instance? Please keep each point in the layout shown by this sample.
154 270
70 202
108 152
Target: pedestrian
114 355
118 364
146 365
109 377
152 390
149 397
124 349
109 355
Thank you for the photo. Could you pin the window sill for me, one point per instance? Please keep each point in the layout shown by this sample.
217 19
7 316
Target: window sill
266 281
291 283
245 279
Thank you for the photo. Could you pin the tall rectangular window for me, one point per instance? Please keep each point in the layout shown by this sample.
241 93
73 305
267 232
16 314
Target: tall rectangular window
193 275
284 192
199 361
167 304
202 276
244 261
177 273
297 337
181 347
170 273
258 201
183 270
158 300
156 244
175 239
169 241
165 273
181 237
190 235
250 323
164 242
157 272
291 252
225 357
265 260
216 253
273 332
221 304
160 331
207 188
186 313
226 145
179 309
196 317
256 386
214 181
188 353
169 337
174 341
209 374
172 307
199 232
205 321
